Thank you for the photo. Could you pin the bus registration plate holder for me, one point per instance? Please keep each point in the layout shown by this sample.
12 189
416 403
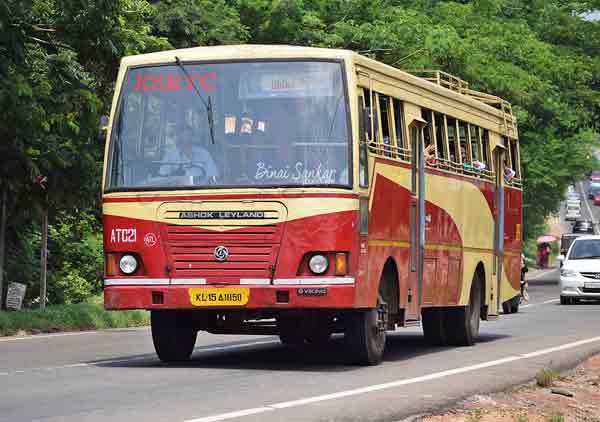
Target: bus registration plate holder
223 296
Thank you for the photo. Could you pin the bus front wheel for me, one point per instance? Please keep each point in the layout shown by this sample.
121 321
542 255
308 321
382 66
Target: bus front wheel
365 334
173 337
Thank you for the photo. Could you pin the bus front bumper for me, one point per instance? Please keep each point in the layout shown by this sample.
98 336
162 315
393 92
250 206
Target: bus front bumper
330 293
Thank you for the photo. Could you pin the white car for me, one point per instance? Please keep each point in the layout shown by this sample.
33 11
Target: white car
573 212
580 272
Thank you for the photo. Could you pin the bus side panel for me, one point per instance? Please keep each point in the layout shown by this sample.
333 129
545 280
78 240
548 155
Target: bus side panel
512 237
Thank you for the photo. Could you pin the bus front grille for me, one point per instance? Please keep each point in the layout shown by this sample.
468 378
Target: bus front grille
252 252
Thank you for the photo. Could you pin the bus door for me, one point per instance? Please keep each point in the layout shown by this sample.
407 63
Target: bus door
417 222
499 211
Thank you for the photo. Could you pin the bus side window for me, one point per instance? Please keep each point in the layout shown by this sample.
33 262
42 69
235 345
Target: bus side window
399 128
485 143
474 136
363 171
371 140
452 139
440 137
465 148
428 130
514 149
384 115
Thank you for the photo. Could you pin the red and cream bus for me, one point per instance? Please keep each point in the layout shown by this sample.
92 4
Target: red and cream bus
302 192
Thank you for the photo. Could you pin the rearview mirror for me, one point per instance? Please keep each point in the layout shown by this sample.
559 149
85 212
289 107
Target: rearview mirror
560 258
103 128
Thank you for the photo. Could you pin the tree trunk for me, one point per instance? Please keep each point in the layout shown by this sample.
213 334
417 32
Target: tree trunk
44 256
2 245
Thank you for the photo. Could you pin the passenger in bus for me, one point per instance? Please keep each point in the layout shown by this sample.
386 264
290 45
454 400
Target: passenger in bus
478 166
189 158
509 173
465 159
429 154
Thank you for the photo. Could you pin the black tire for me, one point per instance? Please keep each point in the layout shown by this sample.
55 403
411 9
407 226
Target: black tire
434 326
511 306
365 334
515 305
463 322
319 337
173 337
290 332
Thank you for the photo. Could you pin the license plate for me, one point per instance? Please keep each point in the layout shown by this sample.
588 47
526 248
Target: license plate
226 296
592 285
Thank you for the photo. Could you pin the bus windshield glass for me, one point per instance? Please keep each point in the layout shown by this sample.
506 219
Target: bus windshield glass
251 124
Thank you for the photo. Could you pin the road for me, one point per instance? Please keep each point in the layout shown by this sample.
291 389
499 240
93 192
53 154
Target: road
114 375
589 211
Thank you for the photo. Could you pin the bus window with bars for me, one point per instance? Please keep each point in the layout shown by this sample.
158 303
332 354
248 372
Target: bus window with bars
465 147
384 119
485 149
428 130
440 138
474 138
399 127
514 154
452 139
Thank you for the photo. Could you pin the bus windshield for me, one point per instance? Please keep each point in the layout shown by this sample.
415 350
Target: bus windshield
231 124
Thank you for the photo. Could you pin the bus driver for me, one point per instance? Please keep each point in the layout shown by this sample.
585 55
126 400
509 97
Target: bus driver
189 159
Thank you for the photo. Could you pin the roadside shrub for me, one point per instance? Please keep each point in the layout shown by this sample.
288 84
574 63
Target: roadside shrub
546 377
75 317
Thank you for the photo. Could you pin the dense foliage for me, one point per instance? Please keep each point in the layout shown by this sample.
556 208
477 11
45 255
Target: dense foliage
60 57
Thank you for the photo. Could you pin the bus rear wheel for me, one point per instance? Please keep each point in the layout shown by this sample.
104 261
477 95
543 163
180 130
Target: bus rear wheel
365 334
463 322
173 337
434 326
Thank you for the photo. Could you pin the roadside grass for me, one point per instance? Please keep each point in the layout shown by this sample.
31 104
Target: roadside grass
475 416
74 317
546 377
556 417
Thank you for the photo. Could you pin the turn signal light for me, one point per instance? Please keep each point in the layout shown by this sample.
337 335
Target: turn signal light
111 264
341 264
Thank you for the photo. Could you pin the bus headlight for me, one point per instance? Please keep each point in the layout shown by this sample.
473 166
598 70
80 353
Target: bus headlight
318 264
128 264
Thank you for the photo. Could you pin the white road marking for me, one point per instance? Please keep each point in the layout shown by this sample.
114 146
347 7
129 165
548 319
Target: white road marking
540 303
393 384
111 361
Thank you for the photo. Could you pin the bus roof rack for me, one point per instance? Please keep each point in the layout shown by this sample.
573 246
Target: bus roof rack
456 84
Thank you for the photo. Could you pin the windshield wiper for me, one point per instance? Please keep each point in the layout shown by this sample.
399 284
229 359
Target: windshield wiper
208 105
587 257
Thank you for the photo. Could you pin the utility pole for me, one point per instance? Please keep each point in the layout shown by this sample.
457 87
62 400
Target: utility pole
2 244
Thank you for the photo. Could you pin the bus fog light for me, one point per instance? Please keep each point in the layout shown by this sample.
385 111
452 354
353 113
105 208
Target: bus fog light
128 264
318 264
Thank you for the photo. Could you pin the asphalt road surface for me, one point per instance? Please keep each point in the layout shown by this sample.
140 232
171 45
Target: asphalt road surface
114 375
